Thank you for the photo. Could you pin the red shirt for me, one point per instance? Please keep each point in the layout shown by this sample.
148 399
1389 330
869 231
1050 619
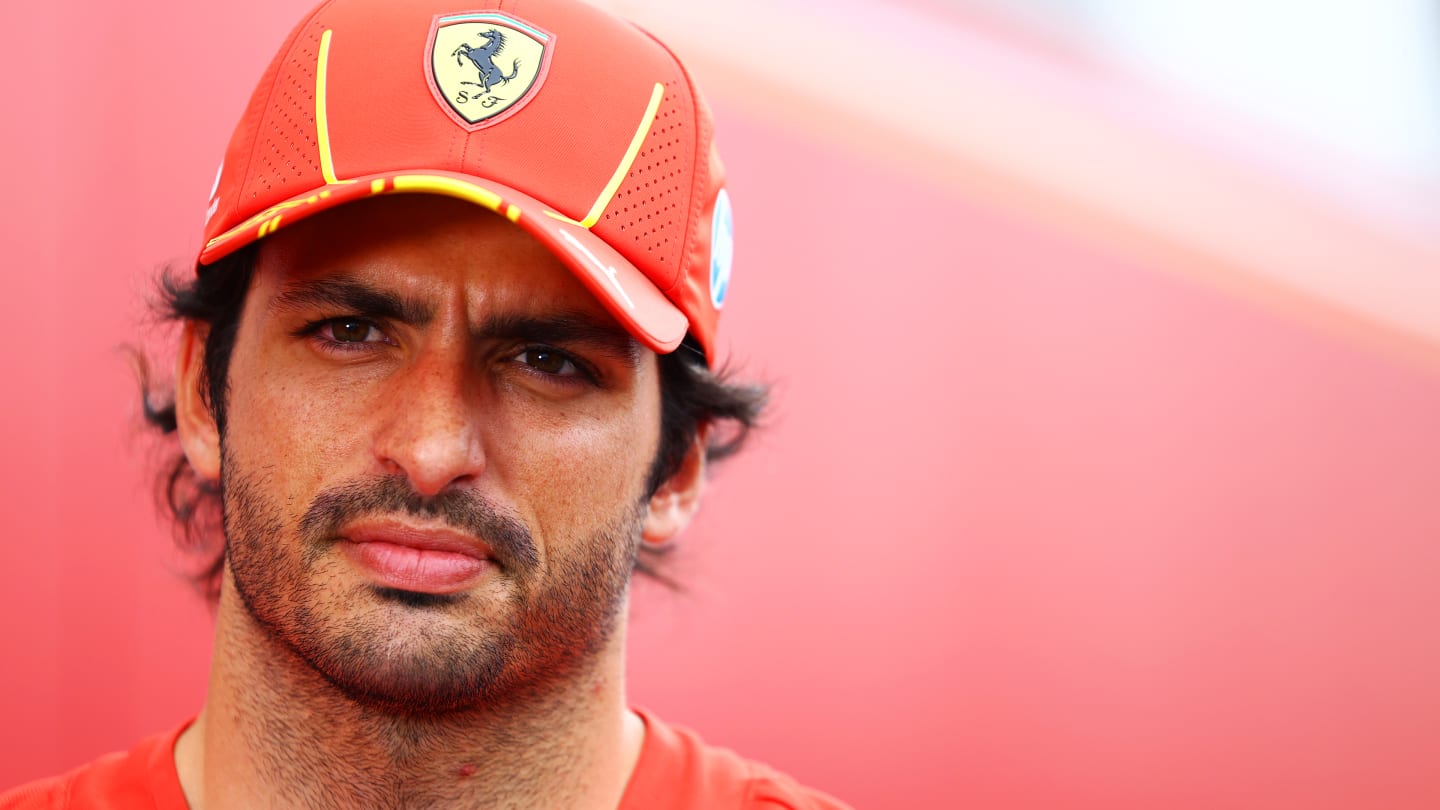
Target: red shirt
676 770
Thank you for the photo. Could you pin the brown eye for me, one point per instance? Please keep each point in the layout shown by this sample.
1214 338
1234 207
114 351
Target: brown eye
350 331
549 361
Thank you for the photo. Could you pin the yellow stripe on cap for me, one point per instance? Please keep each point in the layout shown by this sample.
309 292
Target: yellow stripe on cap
322 119
268 227
450 187
608 194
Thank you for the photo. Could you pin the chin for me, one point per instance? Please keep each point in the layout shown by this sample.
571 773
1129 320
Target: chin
512 639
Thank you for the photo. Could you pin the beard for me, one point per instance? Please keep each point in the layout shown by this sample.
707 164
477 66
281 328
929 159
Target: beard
423 654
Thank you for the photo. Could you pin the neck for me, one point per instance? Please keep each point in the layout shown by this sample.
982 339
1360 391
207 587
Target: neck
275 733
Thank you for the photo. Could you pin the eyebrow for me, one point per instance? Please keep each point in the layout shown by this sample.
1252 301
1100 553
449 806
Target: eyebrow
566 327
355 297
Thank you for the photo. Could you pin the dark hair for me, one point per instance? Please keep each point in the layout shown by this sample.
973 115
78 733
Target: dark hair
692 397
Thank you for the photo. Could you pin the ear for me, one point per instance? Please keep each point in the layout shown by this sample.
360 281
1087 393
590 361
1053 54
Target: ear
194 421
674 504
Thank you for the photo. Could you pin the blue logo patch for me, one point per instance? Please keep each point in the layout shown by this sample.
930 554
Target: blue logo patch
722 249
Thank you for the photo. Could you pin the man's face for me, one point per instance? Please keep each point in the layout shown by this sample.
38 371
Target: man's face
435 455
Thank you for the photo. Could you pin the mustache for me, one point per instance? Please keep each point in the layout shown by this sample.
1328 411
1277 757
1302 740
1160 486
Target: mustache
506 535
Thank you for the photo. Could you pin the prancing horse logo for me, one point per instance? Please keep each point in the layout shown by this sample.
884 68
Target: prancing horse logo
468 59
484 59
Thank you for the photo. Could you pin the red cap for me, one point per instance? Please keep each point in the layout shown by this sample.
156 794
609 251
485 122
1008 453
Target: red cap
575 125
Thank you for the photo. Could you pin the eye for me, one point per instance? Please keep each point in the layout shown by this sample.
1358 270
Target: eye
549 361
350 333
351 330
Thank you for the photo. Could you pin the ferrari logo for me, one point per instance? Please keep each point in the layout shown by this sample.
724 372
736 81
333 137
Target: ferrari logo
486 65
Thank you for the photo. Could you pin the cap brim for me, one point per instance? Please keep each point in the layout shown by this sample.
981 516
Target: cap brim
635 302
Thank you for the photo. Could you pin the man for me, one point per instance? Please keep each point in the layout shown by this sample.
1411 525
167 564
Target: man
446 366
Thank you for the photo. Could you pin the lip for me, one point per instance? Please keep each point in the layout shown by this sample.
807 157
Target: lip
421 559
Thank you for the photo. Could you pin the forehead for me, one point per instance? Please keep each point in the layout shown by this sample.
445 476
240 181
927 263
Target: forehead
426 248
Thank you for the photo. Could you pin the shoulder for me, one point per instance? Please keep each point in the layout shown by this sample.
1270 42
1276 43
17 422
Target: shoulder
143 777
677 769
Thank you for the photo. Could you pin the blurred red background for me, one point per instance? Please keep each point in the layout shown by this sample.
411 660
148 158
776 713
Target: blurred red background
1054 510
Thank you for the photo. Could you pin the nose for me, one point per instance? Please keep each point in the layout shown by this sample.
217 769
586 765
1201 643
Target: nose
430 430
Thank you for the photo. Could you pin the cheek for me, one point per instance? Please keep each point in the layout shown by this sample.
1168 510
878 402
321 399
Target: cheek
291 430
577 474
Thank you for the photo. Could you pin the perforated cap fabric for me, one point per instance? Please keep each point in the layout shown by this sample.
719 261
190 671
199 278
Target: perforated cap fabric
573 124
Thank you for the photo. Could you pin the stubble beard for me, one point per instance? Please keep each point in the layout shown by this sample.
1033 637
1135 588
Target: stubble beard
524 649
